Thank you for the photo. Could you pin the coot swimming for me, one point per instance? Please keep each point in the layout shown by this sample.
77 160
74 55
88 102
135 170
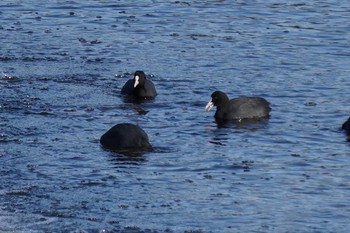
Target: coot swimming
239 108
125 137
139 86
346 126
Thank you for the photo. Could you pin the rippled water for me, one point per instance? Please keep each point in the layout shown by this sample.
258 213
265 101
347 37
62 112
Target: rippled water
62 65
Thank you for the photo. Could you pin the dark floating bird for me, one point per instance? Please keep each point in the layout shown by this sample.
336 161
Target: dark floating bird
125 137
346 126
139 87
240 108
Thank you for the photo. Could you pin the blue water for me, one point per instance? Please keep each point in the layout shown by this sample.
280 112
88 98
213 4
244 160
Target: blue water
63 63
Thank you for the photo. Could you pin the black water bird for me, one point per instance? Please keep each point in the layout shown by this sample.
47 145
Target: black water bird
125 137
139 87
239 108
346 126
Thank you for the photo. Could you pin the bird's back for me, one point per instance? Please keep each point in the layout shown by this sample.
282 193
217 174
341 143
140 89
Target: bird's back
249 107
148 90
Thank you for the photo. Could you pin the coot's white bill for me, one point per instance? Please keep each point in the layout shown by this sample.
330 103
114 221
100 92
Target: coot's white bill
137 81
209 105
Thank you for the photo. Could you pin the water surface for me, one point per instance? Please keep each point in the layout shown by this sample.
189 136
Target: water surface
62 65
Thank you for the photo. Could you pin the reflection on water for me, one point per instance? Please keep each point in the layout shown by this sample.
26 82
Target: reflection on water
348 138
248 124
125 160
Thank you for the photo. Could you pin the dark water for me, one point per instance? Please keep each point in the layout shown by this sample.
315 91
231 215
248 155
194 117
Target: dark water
63 63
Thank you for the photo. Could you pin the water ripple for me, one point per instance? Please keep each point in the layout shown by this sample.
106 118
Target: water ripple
62 69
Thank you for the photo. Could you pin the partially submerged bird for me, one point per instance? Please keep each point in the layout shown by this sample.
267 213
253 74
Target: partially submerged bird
239 108
346 126
125 137
139 86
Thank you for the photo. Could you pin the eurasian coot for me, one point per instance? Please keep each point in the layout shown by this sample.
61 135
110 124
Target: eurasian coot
139 87
125 137
239 108
346 126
